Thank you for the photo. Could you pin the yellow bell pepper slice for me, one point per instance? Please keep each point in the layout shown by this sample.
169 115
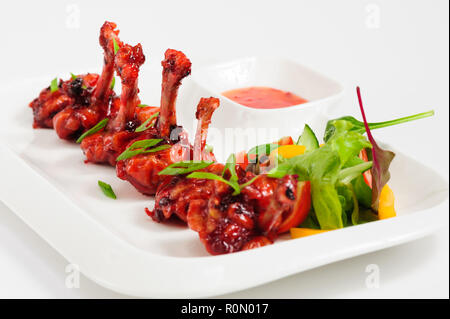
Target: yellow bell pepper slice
303 232
386 207
288 151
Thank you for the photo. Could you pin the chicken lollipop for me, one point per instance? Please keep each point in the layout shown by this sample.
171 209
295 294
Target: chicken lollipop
105 145
170 141
176 192
90 102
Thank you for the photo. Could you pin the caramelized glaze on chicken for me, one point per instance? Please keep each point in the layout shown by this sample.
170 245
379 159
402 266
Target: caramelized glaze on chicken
70 93
167 202
106 145
77 118
142 170
225 222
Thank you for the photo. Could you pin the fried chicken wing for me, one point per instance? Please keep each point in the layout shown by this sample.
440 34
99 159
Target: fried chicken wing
173 195
77 117
106 145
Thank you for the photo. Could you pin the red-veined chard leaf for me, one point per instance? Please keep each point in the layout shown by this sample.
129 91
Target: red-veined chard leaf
381 160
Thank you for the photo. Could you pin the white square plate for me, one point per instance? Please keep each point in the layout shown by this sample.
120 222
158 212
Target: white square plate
45 182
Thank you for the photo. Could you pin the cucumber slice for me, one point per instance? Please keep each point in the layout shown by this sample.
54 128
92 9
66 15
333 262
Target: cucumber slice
308 139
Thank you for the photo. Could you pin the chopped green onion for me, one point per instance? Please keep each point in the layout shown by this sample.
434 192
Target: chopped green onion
107 189
206 175
94 129
143 105
185 167
54 85
141 147
116 46
144 126
73 76
113 83
158 148
132 153
145 143
233 182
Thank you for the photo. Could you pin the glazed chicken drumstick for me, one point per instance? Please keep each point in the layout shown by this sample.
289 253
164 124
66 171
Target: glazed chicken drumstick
167 199
77 93
142 170
84 113
106 145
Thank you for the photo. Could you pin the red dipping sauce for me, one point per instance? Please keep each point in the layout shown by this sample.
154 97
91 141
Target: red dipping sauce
259 97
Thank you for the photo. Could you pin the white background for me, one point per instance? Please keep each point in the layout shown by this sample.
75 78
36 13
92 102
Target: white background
401 63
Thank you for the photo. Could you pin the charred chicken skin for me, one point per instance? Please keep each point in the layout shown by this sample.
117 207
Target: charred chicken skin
90 103
142 170
106 145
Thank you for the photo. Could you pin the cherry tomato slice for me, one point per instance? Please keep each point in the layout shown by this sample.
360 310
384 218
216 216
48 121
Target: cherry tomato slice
301 208
367 174
287 140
